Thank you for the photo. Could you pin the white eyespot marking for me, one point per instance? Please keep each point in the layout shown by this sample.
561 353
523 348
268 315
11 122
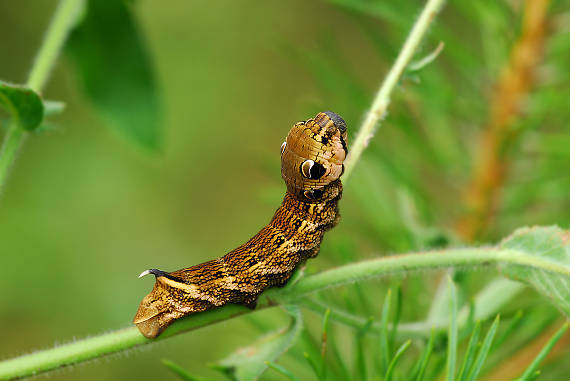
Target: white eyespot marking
146 272
306 168
283 147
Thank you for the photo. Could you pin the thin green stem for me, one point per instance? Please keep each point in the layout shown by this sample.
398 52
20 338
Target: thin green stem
9 149
113 342
418 261
61 23
382 100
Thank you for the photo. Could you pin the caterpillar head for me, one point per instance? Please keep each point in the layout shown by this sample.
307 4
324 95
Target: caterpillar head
312 156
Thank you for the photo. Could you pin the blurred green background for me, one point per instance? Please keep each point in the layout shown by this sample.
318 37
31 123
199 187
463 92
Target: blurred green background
85 210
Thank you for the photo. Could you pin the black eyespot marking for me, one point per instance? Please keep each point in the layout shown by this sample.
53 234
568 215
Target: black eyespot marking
306 168
312 170
314 194
317 171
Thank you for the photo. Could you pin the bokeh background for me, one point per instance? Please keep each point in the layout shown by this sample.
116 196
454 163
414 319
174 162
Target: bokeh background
86 210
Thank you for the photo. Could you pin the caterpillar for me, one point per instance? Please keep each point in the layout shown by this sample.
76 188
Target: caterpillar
312 159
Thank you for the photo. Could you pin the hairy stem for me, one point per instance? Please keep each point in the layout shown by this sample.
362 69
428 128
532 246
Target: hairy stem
120 340
381 102
61 23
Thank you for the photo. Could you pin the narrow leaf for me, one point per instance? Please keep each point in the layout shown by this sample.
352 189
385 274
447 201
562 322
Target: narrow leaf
285 372
425 356
114 68
179 371
470 353
250 362
360 358
324 341
484 351
394 361
452 335
23 104
532 372
384 346
313 364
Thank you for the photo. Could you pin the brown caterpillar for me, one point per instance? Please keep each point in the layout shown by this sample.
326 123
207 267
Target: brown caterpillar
311 164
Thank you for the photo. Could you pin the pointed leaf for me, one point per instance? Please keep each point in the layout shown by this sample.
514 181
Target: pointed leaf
545 252
114 68
24 105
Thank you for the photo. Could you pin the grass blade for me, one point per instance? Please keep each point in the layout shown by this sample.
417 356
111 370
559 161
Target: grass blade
514 324
484 351
384 345
360 359
394 361
396 318
283 371
179 371
313 364
531 372
324 342
425 356
470 353
452 335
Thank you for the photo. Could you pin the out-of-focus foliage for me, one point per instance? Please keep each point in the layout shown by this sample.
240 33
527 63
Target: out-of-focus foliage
116 72
83 213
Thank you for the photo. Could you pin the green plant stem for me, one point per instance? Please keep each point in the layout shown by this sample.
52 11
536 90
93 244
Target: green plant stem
113 342
9 149
382 100
61 23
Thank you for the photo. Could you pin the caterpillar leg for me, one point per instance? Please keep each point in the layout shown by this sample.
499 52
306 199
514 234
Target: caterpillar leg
311 253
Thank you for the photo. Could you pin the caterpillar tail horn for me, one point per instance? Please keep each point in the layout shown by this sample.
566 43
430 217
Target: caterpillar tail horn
156 311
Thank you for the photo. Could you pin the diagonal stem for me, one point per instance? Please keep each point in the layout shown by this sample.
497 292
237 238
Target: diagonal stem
61 23
379 106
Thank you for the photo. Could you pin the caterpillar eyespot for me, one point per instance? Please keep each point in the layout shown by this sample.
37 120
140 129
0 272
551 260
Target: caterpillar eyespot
294 234
312 170
306 168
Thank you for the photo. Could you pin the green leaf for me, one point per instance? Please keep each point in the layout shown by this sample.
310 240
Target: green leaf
24 105
250 362
531 371
395 359
179 371
548 268
281 370
384 345
452 335
115 70
484 351
425 357
360 359
470 353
